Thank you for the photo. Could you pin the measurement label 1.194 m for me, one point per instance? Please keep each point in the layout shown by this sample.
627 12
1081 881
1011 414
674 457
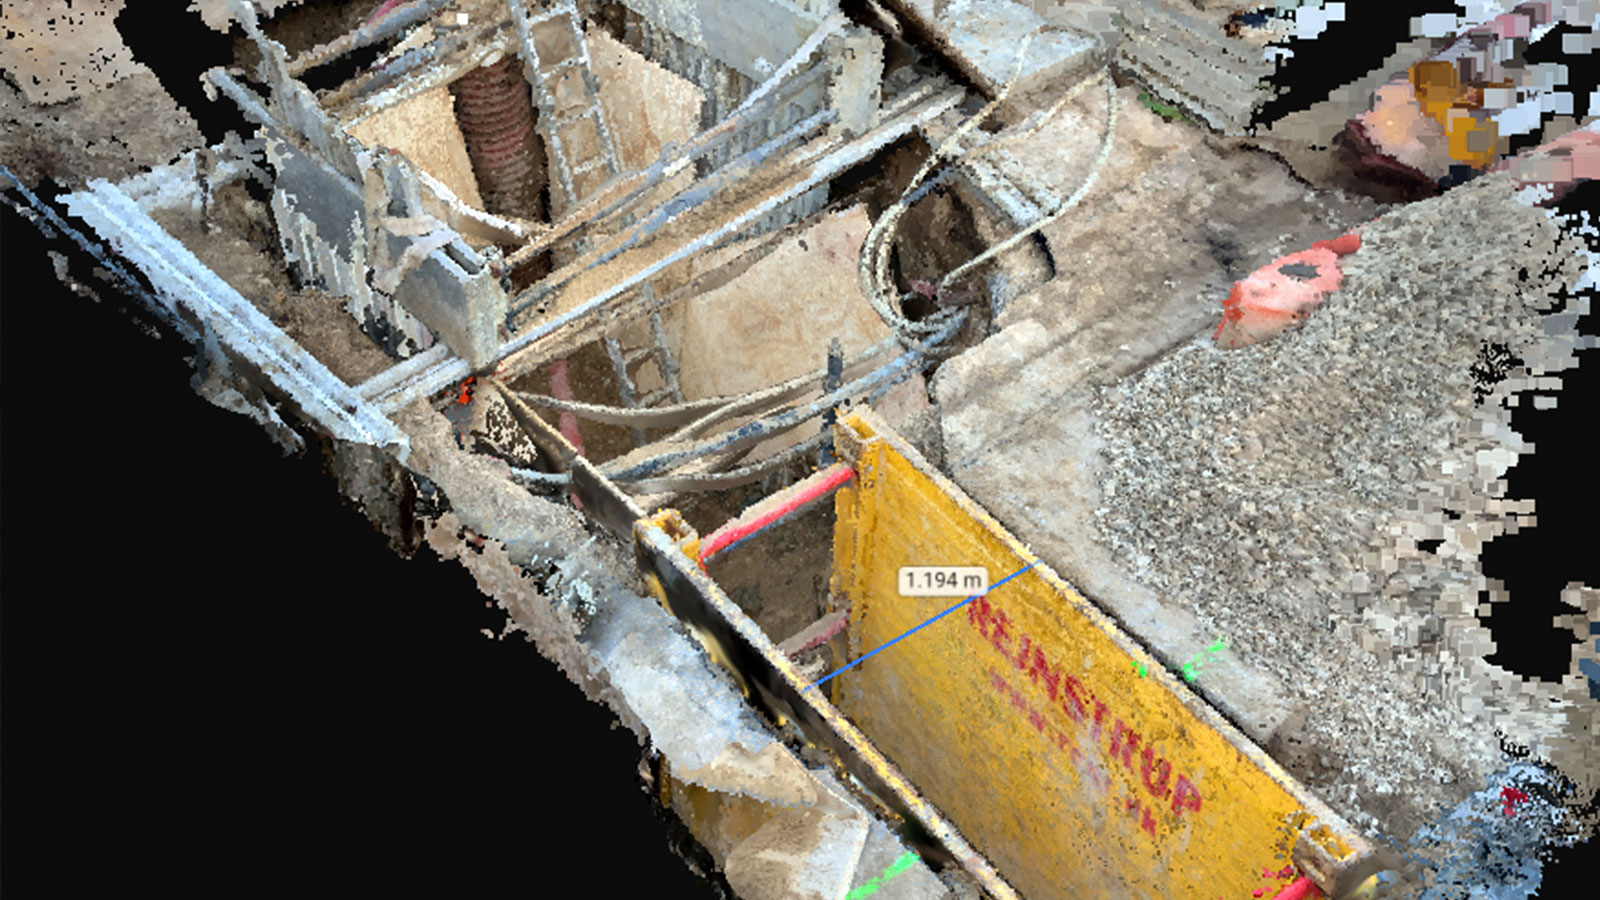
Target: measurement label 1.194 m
943 581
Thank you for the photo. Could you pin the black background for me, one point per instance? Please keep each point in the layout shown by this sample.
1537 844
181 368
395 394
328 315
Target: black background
219 680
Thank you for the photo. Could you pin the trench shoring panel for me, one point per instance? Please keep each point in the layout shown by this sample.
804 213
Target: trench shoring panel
1024 716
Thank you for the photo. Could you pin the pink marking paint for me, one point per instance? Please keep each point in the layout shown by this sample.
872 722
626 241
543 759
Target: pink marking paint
383 10
1512 798
561 389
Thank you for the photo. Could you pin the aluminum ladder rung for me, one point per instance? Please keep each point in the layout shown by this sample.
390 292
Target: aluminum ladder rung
627 388
550 125
571 62
591 110
655 396
590 166
550 15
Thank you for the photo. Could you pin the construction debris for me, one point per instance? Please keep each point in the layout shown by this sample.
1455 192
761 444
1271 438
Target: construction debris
563 286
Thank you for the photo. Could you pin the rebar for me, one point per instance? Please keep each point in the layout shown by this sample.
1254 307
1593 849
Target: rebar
395 69
368 34
705 189
755 432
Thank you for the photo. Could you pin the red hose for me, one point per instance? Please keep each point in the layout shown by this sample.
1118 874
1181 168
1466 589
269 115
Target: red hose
561 389
775 507
382 11
1299 889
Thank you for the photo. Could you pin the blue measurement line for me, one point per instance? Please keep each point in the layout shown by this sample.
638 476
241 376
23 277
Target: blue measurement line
862 659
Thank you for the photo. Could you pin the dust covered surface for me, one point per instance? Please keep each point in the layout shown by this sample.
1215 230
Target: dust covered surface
235 239
1276 490
112 133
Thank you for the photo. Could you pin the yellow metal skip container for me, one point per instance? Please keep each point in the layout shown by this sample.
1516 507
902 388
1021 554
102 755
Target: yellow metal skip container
1062 750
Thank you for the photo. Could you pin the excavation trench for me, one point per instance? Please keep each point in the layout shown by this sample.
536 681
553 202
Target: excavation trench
1237 531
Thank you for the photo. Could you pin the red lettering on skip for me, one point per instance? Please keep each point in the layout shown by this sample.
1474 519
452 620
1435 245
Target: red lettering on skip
1185 796
1073 701
991 622
1155 772
1061 739
1157 789
998 636
1123 742
1090 770
999 683
979 613
1039 667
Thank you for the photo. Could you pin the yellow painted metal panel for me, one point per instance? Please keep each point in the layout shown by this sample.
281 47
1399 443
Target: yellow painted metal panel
666 549
1024 716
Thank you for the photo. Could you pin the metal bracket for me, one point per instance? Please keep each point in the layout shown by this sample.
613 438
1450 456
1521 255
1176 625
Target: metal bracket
1339 879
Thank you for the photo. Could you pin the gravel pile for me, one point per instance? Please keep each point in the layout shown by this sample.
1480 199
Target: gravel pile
1282 490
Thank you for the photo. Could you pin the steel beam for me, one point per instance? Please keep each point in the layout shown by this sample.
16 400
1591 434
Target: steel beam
182 279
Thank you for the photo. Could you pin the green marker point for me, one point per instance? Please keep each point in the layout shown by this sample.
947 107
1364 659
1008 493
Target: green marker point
871 887
866 890
900 865
1170 113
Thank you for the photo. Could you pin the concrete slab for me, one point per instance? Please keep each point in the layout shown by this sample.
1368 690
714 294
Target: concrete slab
1144 265
754 42
988 37
1186 58
57 50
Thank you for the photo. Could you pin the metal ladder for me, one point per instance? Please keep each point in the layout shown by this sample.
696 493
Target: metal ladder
622 360
547 80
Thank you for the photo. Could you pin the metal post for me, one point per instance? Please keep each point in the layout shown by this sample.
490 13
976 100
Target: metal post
831 383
